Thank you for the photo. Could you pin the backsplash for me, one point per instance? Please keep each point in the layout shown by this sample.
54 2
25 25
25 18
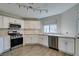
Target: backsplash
32 32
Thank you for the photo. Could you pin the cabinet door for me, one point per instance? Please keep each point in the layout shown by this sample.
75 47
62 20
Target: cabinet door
1 22
45 41
77 47
6 43
61 44
22 24
5 22
12 20
66 45
1 45
27 39
70 46
17 21
34 39
40 39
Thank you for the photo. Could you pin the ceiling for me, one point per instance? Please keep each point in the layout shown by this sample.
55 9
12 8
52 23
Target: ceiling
53 9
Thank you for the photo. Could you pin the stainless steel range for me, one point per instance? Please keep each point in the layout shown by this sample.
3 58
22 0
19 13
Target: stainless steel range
15 36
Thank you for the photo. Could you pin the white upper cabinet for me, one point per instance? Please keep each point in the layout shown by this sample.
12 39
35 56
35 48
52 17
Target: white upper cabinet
1 21
22 24
11 20
32 25
17 21
14 21
5 22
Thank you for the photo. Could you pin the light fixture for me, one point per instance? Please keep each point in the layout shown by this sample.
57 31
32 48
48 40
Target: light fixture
31 7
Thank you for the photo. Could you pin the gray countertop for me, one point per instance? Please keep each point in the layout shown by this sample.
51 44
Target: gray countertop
59 35
62 35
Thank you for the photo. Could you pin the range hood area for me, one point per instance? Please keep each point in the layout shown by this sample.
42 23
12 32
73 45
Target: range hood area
15 37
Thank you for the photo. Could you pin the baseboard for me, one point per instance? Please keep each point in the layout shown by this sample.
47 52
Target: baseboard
66 54
35 44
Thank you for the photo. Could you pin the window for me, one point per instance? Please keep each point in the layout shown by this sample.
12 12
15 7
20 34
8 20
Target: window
52 28
46 28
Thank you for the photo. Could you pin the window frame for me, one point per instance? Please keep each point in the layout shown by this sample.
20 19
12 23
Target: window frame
55 31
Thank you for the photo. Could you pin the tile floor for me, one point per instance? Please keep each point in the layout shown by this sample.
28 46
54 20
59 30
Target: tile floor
33 50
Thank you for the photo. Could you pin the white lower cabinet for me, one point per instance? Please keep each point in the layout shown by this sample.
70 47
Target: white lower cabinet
45 41
61 44
26 39
77 47
30 39
1 45
6 43
66 45
35 39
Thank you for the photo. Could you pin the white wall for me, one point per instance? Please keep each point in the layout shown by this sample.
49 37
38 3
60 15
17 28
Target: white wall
68 22
52 20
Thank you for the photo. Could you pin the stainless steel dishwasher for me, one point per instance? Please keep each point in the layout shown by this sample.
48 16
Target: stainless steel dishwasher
53 42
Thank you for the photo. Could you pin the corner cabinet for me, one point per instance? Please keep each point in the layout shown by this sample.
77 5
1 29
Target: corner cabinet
66 45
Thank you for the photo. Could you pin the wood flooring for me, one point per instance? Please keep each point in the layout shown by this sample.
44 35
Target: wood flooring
33 50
